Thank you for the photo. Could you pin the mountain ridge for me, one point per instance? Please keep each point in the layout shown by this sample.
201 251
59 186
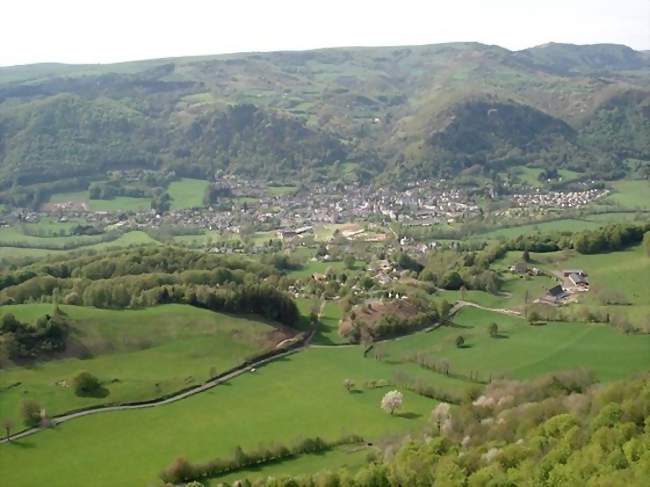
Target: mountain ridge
371 109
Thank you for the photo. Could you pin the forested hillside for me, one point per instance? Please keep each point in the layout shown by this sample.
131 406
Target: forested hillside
415 111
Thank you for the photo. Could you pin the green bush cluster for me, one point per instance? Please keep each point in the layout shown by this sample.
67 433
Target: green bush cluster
22 341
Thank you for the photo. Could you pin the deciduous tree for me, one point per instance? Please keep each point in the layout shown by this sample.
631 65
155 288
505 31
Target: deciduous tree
392 401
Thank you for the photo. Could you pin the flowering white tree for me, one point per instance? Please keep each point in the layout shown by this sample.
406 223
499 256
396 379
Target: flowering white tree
348 384
441 416
391 401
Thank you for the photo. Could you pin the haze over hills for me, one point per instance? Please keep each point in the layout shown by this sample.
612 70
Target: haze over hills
344 113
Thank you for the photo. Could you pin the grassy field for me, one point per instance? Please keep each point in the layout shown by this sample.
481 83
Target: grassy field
604 270
119 203
187 193
630 194
625 271
330 314
619 216
14 235
530 175
524 351
512 294
350 457
318 267
329 330
135 237
281 190
252 409
138 354
562 225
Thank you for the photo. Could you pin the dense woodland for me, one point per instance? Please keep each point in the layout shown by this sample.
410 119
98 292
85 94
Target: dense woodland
149 276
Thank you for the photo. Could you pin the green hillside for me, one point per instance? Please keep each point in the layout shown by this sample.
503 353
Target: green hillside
417 110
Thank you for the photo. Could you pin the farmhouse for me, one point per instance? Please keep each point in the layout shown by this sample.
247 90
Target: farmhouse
519 268
577 277
554 295
579 280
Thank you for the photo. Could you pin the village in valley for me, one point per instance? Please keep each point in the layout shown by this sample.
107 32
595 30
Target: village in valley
298 209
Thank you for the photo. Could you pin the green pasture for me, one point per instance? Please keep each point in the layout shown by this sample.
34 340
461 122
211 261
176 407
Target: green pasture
511 295
296 397
322 267
137 354
619 216
329 324
351 457
135 237
325 232
15 235
560 225
630 194
52 226
523 351
626 271
530 175
187 193
281 190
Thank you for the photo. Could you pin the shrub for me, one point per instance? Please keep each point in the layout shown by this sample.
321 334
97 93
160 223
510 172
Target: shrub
30 411
86 384
494 330
460 341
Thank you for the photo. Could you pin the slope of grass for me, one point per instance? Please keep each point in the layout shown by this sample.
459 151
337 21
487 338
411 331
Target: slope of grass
626 271
524 351
561 225
328 332
137 354
631 194
135 237
299 396
14 235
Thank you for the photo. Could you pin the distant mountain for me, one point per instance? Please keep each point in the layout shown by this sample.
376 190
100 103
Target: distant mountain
570 58
348 113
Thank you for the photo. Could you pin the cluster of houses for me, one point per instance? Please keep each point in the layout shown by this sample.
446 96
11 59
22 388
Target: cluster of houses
556 199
